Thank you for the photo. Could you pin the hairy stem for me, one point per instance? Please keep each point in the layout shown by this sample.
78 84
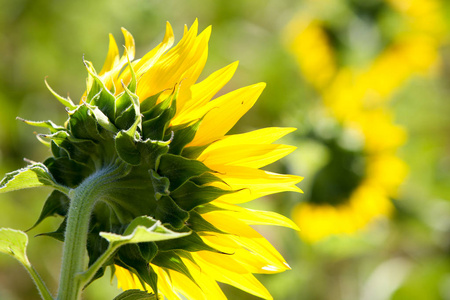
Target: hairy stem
83 200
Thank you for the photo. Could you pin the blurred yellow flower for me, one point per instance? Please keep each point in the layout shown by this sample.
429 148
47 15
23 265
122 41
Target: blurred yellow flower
357 97
311 48
235 160
355 187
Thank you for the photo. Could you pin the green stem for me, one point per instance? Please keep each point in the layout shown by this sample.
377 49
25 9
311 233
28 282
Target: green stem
83 200
45 294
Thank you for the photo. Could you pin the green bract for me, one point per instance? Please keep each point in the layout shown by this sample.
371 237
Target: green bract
142 167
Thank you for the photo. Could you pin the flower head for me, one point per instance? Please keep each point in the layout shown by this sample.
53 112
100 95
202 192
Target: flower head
161 139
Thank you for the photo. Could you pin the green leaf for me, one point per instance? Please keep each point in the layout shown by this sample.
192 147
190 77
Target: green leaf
34 175
14 242
143 229
136 295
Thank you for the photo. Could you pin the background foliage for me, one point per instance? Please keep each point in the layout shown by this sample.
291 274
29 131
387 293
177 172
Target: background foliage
405 256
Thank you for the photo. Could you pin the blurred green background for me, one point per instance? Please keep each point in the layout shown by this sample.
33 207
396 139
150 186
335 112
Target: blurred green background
403 256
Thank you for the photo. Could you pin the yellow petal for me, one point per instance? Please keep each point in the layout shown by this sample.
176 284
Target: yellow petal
185 286
207 283
247 237
223 112
256 217
202 92
260 136
165 285
112 58
246 259
245 282
126 280
175 64
198 61
129 44
254 183
145 63
253 156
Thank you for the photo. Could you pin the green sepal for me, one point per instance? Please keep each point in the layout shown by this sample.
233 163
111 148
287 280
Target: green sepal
167 211
155 128
35 175
136 295
170 260
99 95
83 125
64 101
206 208
198 224
183 135
206 178
127 109
126 148
191 243
57 203
130 257
14 242
101 118
150 102
189 195
148 250
44 124
151 152
133 82
67 171
179 169
160 185
151 110
194 151
157 120
81 151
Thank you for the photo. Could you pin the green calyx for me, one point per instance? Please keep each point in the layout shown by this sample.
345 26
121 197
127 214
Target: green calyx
149 172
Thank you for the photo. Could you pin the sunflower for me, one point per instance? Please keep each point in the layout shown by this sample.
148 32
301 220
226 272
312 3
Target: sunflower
355 186
152 140
360 176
